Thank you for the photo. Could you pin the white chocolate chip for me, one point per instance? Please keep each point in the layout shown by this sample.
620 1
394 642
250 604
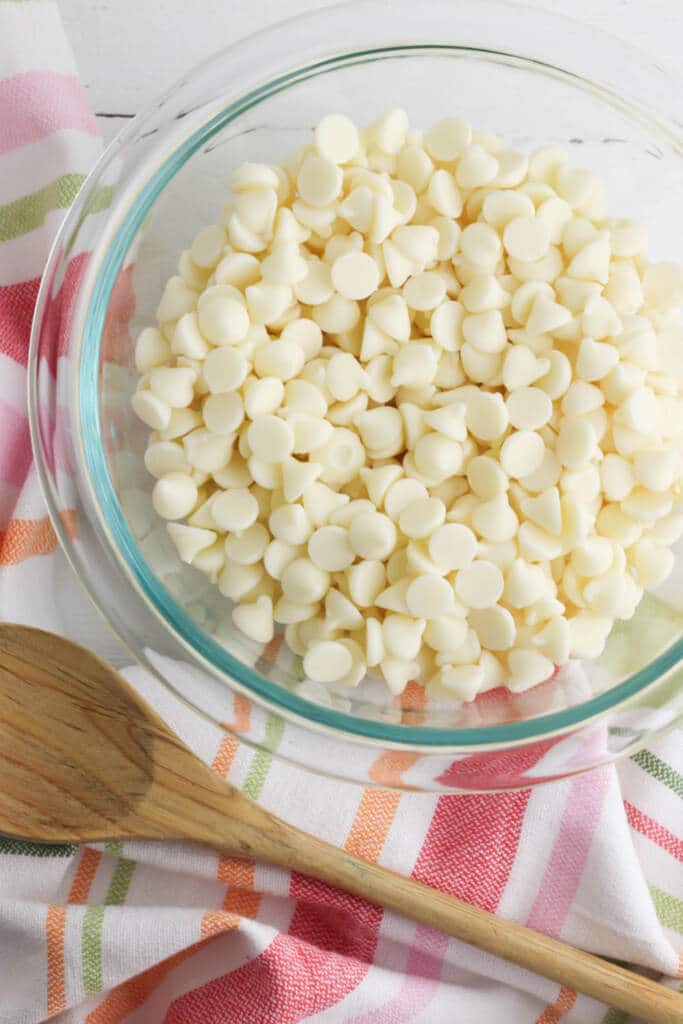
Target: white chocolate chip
270 438
263 396
289 523
444 194
447 139
486 478
575 442
236 581
527 668
355 275
304 583
225 369
235 510
327 662
487 416
494 626
336 138
422 517
223 319
463 680
402 635
529 408
526 238
151 409
479 584
522 453
207 451
319 181
151 349
372 535
174 495
330 549
189 540
485 331
425 291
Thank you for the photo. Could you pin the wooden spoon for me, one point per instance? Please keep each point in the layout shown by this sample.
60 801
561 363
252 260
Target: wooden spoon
83 758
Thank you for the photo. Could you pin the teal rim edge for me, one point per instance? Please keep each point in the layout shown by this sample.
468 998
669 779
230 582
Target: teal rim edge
211 651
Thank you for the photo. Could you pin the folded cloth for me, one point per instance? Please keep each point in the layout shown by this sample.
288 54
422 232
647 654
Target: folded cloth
168 932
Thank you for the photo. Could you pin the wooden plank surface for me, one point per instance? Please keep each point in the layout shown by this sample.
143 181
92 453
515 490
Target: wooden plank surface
128 51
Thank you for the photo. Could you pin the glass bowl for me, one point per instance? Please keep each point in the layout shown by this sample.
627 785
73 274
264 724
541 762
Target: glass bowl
531 77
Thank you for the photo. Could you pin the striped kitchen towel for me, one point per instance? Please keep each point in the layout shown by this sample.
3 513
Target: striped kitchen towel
147 933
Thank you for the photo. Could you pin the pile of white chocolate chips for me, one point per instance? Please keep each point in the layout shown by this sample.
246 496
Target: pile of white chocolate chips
417 399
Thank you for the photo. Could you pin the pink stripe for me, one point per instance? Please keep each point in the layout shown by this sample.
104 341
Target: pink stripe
15 450
9 496
55 434
471 844
563 873
494 769
423 974
34 104
593 750
326 954
16 312
651 829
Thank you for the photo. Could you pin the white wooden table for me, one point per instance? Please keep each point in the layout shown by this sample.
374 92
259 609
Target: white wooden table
130 50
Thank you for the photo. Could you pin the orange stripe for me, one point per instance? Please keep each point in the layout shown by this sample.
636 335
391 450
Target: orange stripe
85 873
272 649
241 903
229 744
412 703
372 822
25 538
554 1011
225 754
215 922
240 900
242 713
235 872
377 808
56 989
240 897
127 997
56 924
389 767
680 966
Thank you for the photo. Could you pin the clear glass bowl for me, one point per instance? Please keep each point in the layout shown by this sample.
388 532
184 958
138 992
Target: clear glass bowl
532 77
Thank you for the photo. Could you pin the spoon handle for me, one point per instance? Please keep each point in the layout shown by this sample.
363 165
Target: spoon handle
558 961
262 836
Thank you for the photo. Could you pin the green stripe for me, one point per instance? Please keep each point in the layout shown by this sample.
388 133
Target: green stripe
91 949
669 908
614 1017
29 212
660 770
93 921
22 848
120 882
260 765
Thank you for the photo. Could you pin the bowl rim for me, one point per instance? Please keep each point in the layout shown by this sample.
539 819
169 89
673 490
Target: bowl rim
112 522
